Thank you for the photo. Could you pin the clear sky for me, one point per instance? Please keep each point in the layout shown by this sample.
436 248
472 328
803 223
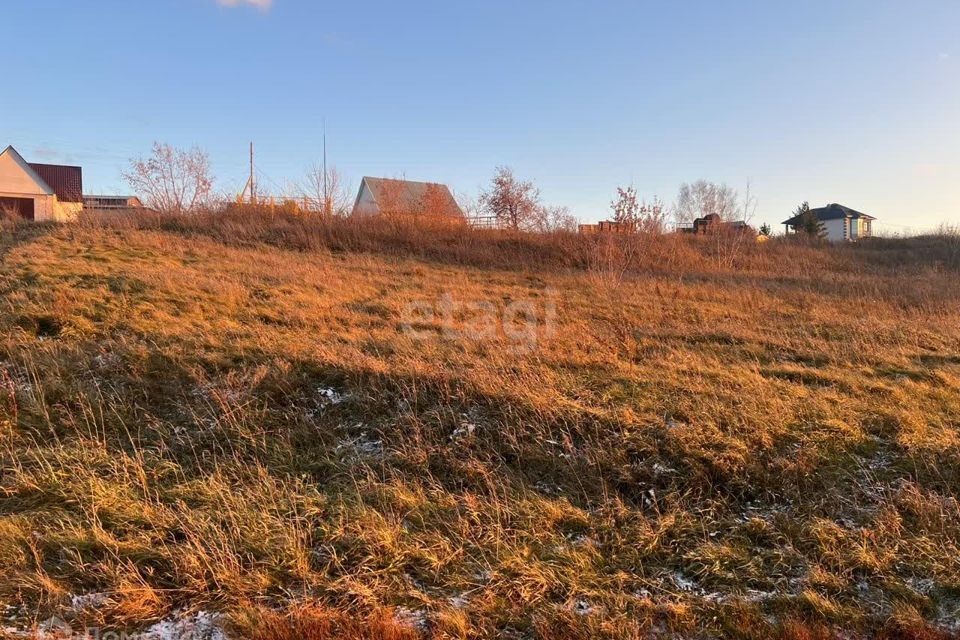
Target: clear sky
850 101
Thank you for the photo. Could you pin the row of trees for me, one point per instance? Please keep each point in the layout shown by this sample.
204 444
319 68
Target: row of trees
181 181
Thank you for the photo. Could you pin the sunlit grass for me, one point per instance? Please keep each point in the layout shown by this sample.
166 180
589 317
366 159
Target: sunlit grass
765 448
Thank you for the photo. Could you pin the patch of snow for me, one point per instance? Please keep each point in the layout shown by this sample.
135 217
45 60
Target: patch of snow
948 618
662 470
547 488
686 584
87 601
465 429
583 608
106 360
459 602
330 396
17 379
650 498
484 575
923 586
201 626
752 595
581 540
361 446
412 618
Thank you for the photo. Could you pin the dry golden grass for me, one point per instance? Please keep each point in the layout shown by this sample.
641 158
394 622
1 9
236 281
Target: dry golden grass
755 444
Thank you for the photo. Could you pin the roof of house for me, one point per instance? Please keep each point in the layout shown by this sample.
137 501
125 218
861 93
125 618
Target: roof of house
409 194
831 212
27 168
66 181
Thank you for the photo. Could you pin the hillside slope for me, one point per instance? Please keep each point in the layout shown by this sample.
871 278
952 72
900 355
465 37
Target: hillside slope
188 422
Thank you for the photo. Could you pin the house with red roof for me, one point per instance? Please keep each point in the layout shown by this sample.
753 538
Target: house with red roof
41 192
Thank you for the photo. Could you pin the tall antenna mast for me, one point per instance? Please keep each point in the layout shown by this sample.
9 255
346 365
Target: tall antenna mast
253 188
326 196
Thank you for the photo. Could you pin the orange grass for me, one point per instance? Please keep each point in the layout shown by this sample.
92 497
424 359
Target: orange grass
749 441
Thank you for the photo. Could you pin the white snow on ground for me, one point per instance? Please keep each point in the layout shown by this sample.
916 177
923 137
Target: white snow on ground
202 625
361 446
465 429
686 584
412 618
459 602
198 626
330 396
88 601
582 608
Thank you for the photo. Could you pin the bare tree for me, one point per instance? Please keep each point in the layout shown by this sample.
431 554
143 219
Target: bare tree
514 203
328 190
729 239
172 180
703 198
550 219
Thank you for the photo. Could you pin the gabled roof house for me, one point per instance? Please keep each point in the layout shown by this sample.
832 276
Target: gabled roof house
384 196
34 191
840 223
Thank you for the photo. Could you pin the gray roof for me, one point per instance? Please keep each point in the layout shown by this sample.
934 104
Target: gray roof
409 194
832 212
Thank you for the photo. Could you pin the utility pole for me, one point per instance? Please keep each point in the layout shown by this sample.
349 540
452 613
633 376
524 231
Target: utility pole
253 187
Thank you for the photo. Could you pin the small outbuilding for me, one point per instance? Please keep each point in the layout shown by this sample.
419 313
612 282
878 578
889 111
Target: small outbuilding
41 192
384 196
111 203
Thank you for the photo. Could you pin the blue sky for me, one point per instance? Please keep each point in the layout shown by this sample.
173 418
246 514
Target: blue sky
853 101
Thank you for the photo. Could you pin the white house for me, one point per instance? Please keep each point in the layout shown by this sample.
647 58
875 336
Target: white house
840 223
39 191
385 196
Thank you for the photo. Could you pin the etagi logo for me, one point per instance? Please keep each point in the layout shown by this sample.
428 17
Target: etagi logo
523 323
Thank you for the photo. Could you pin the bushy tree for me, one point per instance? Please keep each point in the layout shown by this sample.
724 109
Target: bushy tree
514 203
765 229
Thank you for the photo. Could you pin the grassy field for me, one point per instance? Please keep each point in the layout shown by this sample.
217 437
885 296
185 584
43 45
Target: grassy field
272 421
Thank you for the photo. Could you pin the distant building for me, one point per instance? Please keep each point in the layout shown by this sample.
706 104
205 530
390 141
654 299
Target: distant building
379 196
111 203
606 226
40 192
840 224
713 222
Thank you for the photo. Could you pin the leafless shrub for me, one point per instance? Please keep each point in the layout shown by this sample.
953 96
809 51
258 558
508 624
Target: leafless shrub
640 215
172 180
553 219
326 191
